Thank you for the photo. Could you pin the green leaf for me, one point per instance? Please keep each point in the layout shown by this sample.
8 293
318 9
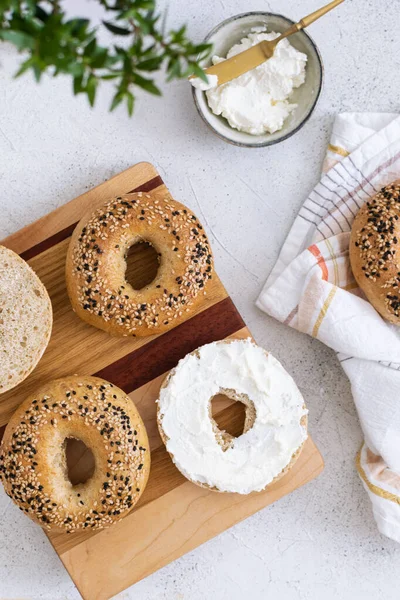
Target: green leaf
27 64
116 100
112 75
20 39
195 69
72 68
200 48
173 69
130 101
146 84
37 72
148 52
25 25
91 88
90 49
121 52
146 26
132 12
99 58
78 26
78 84
179 35
41 14
115 29
151 64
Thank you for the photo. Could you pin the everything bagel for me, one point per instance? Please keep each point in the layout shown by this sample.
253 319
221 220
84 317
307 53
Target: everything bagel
374 251
96 265
33 464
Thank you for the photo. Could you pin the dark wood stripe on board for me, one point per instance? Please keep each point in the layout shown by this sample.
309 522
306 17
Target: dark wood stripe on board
162 354
150 185
65 233
2 430
51 241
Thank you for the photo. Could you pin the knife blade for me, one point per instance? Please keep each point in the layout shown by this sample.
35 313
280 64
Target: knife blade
233 67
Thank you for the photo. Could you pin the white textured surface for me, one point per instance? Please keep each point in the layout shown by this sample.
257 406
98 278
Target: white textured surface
320 542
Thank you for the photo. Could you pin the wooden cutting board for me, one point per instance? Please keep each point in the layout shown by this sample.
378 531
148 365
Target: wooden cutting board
173 516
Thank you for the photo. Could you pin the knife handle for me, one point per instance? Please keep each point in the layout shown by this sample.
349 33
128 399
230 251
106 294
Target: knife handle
306 21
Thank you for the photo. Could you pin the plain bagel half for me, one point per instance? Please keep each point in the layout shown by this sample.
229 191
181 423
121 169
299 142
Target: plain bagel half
26 319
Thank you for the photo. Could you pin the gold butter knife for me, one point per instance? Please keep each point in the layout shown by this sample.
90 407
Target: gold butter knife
233 67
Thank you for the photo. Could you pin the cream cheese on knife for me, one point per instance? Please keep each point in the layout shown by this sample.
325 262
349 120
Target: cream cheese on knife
258 101
200 84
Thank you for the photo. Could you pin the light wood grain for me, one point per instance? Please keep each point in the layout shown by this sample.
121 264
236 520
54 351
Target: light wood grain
159 532
173 515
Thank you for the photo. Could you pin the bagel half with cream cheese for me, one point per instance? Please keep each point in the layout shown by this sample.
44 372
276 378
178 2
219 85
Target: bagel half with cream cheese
275 426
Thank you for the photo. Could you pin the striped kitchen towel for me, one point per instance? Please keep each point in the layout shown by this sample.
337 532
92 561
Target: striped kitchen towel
312 289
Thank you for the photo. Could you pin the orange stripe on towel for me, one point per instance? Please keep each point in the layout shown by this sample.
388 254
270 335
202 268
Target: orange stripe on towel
291 316
320 260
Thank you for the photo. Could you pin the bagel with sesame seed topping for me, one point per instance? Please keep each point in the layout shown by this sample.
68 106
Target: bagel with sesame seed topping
33 461
374 251
96 265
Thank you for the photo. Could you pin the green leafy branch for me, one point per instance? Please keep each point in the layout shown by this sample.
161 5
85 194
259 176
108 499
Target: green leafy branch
54 44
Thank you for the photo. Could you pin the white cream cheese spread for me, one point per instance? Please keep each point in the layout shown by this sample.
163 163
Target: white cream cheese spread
256 457
199 84
257 102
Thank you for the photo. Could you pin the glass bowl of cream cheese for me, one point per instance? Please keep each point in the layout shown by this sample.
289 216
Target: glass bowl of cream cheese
271 102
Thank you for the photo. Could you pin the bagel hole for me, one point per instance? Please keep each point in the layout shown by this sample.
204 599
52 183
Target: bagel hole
142 262
228 414
80 461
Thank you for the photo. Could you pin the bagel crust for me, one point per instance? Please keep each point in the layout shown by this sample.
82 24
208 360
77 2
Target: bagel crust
33 465
26 319
374 251
96 265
